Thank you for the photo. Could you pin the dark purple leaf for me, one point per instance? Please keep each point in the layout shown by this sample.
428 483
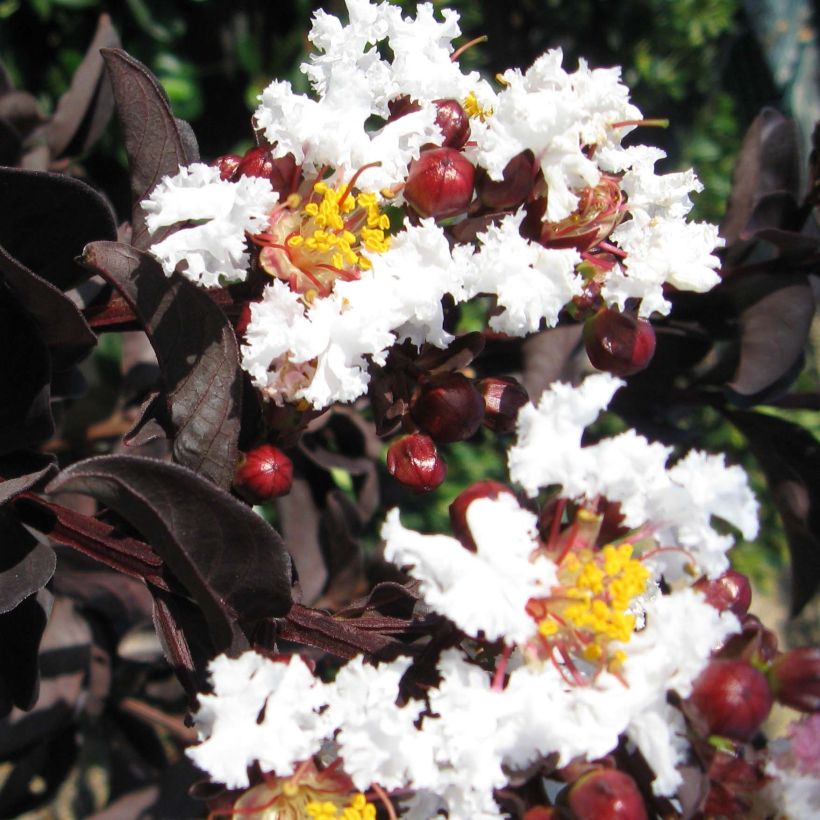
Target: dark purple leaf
230 561
154 142
60 323
26 565
84 110
197 353
21 471
773 335
20 634
548 357
25 374
20 110
47 219
768 162
790 458
10 144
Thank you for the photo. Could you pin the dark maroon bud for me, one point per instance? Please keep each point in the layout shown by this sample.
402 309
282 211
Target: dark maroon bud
606 794
503 398
755 642
281 172
227 165
795 678
399 106
731 591
619 343
487 488
440 183
732 698
513 188
448 407
453 121
244 319
263 473
414 461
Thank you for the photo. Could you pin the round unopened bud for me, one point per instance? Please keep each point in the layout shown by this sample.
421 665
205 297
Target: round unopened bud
795 678
415 462
440 183
453 121
503 398
513 188
732 697
263 473
281 172
606 794
619 343
487 488
448 407
731 591
227 164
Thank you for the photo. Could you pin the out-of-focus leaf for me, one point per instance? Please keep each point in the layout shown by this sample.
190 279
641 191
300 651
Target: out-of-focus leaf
20 633
21 110
10 144
767 163
790 458
26 565
197 353
548 357
47 219
773 334
153 140
230 561
25 373
83 112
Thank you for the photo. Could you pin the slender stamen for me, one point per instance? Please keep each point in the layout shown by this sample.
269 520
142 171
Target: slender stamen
459 51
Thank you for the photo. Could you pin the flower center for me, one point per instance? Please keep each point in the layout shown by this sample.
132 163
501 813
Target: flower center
589 608
473 108
310 246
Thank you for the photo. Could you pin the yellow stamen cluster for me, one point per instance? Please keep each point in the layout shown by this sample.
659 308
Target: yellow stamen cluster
473 107
589 608
339 225
359 809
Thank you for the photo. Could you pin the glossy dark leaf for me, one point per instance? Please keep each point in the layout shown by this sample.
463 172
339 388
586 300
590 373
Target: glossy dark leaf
230 561
20 634
26 565
60 323
773 335
21 471
197 353
83 112
790 458
46 220
767 163
154 142
25 373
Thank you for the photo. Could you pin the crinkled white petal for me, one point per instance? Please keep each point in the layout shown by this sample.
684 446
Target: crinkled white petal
532 283
482 592
232 736
212 251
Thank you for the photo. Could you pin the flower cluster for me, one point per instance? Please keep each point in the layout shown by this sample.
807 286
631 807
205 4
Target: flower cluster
404 179
576 637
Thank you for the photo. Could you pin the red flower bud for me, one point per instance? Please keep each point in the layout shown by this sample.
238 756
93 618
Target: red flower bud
227 165
755 642
514 186
415 462
453 121
540 813
732 697
619 343
281 172
606 794
503 398
731 591
263 473
486 488
440 183
795 678
448 407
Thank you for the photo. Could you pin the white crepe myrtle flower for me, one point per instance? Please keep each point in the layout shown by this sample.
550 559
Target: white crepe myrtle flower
486 592
259 711
212 251
678 501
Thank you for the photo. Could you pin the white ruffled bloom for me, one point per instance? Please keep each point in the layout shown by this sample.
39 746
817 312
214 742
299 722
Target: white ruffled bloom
532 283
679 501
211 252
232 736
485 592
